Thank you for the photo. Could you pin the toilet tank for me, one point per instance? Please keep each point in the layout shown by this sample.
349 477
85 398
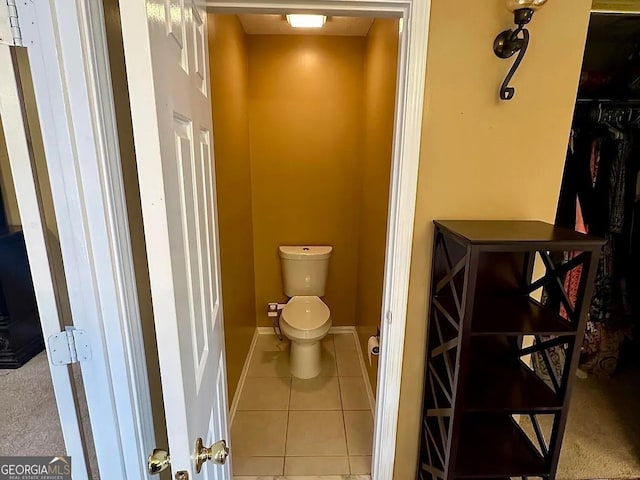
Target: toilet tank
304 269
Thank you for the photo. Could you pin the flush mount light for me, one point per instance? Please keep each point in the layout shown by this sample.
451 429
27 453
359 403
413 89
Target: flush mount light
306 21
510 42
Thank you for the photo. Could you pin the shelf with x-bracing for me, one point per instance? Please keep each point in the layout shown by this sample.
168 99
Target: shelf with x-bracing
503 341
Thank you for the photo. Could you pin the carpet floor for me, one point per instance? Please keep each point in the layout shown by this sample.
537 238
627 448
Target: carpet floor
29 421
602 438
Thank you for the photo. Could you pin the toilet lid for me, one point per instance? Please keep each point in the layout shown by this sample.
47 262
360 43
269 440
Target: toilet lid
305 313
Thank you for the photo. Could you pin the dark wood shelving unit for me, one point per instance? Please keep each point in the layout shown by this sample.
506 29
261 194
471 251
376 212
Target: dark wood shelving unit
507 385
495 446
489 410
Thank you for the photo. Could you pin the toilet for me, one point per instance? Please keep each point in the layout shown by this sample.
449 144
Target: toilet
305 319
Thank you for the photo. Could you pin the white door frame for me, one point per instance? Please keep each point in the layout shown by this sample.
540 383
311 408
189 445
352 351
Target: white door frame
66 44
69 62
412 60
34 229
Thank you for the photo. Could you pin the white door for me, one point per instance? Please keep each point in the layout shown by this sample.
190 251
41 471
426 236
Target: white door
167 68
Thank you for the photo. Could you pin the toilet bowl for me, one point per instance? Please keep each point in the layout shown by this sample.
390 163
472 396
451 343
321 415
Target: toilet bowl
305 320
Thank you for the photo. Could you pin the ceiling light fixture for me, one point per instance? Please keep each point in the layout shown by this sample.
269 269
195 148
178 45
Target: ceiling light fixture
306 21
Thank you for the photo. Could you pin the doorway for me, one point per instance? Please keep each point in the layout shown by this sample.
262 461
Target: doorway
403 184
599 195
303 126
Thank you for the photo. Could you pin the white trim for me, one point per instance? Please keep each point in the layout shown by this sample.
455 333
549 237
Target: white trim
264 330
332 330
337 330
71 76
610 11
365 372
17 136
243 375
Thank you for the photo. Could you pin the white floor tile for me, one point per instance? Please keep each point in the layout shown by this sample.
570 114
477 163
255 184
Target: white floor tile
258 465
265 394
317 433
360 465
316 466
359 428
354 394
320 393
270 358
348 363
345 342
259 434
328 343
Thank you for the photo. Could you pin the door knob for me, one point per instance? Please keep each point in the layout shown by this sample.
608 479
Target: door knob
159 460
216 453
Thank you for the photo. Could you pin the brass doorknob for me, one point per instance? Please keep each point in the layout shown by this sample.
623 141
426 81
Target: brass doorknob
216 453
159 460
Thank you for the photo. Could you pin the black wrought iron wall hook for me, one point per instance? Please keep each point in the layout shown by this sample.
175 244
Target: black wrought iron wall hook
510 42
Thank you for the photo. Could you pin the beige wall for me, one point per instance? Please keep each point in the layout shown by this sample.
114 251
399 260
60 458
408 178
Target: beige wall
229 84
482 158
305 104
380 70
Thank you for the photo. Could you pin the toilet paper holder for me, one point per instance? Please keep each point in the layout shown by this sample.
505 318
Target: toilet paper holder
373 346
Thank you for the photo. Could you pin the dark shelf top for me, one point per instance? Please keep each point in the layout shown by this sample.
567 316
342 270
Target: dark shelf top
525 234
494 446
516 315
499 382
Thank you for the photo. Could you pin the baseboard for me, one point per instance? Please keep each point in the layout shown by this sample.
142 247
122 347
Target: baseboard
365 374
243 376
265 330
338 330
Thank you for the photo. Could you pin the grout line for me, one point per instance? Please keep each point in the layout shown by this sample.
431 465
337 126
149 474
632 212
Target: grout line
286 430
344 421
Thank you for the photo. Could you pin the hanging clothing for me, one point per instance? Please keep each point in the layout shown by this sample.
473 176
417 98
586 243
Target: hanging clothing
597 197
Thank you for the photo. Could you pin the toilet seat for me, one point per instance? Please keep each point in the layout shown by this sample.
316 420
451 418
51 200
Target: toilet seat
306 314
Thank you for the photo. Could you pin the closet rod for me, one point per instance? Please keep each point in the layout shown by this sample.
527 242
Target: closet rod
608 102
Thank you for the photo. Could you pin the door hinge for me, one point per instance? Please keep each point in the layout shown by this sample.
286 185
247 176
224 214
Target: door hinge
10 33
70 346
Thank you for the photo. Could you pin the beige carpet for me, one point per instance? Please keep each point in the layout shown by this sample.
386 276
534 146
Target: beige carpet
29 421
602 438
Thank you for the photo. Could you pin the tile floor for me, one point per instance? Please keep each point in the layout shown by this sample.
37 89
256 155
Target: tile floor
292 427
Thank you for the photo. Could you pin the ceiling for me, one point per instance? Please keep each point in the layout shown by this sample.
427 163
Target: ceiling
611 43
256 24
